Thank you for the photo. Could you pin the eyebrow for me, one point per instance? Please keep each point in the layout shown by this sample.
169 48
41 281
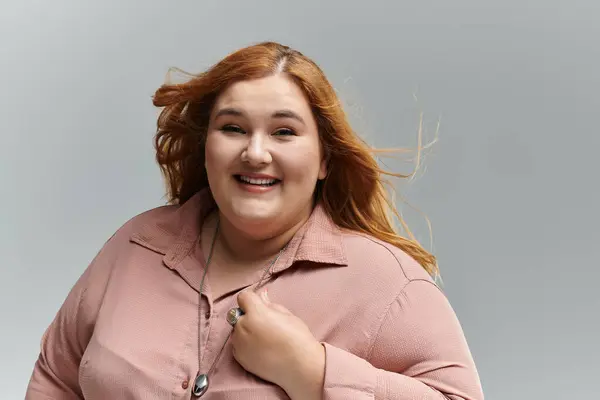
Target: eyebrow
277 114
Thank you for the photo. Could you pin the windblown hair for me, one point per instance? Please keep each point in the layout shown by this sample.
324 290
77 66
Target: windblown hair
353 193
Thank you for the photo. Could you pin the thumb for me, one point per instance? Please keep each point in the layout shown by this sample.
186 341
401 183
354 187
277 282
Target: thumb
250 302
275 306
264 295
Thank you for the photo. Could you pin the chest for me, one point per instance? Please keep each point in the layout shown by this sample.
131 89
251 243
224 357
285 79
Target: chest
221 283
153 332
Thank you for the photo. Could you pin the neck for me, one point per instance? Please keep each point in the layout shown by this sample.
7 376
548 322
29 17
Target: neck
244 247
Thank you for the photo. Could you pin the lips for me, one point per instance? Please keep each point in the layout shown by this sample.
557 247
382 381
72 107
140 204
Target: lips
257 181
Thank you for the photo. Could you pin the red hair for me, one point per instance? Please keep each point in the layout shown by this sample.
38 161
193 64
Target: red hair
353 193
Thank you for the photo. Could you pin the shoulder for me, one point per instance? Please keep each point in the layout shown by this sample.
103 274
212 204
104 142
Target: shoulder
382 260
118 245
162 227
153 225
157 216
142 222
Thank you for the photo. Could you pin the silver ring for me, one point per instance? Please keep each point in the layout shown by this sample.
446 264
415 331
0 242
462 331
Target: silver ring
234 315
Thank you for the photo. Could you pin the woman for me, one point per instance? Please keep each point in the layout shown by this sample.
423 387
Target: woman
270 190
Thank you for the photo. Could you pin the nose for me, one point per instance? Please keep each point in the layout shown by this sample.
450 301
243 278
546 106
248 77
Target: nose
256 152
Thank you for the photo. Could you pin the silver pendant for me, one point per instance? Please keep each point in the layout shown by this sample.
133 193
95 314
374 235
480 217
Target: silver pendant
200 385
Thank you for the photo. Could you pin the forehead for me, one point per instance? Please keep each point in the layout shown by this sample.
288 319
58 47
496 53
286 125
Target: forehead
269 93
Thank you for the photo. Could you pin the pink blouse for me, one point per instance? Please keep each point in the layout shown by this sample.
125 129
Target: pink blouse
128 329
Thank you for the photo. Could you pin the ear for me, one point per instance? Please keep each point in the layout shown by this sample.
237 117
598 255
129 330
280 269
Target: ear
323 168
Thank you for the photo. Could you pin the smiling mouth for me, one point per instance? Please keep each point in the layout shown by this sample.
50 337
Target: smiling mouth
256 181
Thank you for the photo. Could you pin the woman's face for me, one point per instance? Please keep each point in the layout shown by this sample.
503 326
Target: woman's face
263 155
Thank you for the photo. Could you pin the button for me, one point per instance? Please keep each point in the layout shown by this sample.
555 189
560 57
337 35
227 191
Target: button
185 384
207 315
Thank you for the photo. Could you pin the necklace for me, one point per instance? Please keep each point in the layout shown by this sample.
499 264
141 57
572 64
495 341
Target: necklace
201 383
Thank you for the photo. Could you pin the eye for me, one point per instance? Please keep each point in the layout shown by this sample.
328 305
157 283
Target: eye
284 132
232 128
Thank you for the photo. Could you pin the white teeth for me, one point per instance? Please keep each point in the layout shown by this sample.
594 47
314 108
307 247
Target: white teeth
253 181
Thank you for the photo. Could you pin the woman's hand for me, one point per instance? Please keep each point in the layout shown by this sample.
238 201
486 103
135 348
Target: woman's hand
275 345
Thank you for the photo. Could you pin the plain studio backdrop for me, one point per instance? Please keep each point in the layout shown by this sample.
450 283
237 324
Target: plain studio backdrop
511 187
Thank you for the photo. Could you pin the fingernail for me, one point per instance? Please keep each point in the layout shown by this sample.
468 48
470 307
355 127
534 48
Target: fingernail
266 294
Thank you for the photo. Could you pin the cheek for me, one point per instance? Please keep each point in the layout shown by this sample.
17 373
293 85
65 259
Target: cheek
303 166
214 163
213 154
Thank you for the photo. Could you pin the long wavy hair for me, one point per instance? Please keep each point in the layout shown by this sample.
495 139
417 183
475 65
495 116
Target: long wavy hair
353 193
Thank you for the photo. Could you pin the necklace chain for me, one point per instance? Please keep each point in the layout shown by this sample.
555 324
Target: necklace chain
201 289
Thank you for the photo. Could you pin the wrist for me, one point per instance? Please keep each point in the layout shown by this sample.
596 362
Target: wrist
307 378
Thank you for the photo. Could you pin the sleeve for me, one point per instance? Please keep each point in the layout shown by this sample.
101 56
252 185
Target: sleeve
55 374
419 353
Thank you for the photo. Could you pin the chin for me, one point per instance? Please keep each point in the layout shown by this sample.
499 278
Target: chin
254 217
253 213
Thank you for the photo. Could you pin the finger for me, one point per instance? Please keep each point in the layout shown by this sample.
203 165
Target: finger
279 308
270 304
250 302
264 295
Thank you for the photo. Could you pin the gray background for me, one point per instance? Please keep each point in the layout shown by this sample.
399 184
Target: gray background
511 187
